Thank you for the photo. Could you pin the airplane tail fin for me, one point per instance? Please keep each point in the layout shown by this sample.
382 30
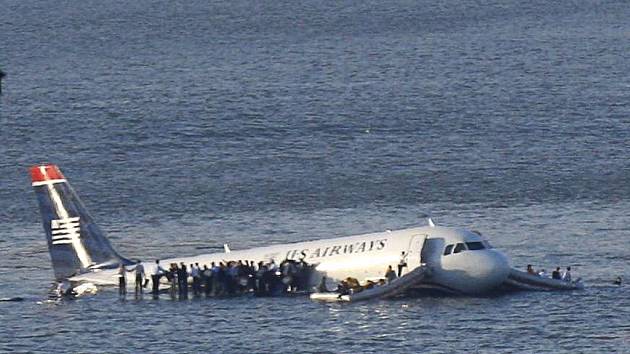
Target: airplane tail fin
75 242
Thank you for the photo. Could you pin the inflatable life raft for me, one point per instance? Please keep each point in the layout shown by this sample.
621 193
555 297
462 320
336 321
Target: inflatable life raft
394 288
525 281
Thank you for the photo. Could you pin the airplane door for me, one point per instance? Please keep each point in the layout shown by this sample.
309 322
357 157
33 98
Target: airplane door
414 253
432 251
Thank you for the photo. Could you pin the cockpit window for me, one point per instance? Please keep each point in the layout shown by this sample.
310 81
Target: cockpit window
459 247
448 250
474 246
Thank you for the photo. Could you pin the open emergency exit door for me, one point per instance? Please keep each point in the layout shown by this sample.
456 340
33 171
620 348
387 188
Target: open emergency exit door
432 251
414 252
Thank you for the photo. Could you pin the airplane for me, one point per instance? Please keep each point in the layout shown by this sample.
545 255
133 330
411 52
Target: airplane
461 261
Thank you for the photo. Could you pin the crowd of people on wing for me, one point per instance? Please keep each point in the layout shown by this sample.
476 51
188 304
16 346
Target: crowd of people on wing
556 274
226 278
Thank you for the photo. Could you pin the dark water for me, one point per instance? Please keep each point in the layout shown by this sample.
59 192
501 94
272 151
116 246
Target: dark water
188 124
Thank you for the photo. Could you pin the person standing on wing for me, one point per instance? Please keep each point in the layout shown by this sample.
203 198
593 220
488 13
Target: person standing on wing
155 277
122 280
139 269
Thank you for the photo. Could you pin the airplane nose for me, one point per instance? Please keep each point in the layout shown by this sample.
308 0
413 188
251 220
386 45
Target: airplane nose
491 269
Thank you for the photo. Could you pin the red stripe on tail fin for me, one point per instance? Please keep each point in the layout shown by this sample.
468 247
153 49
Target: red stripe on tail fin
45 173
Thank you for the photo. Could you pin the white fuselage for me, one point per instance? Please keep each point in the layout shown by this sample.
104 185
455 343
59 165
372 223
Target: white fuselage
469 270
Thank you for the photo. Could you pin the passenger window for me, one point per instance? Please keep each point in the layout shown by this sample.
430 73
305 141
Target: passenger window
460 247
448 250
474 246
